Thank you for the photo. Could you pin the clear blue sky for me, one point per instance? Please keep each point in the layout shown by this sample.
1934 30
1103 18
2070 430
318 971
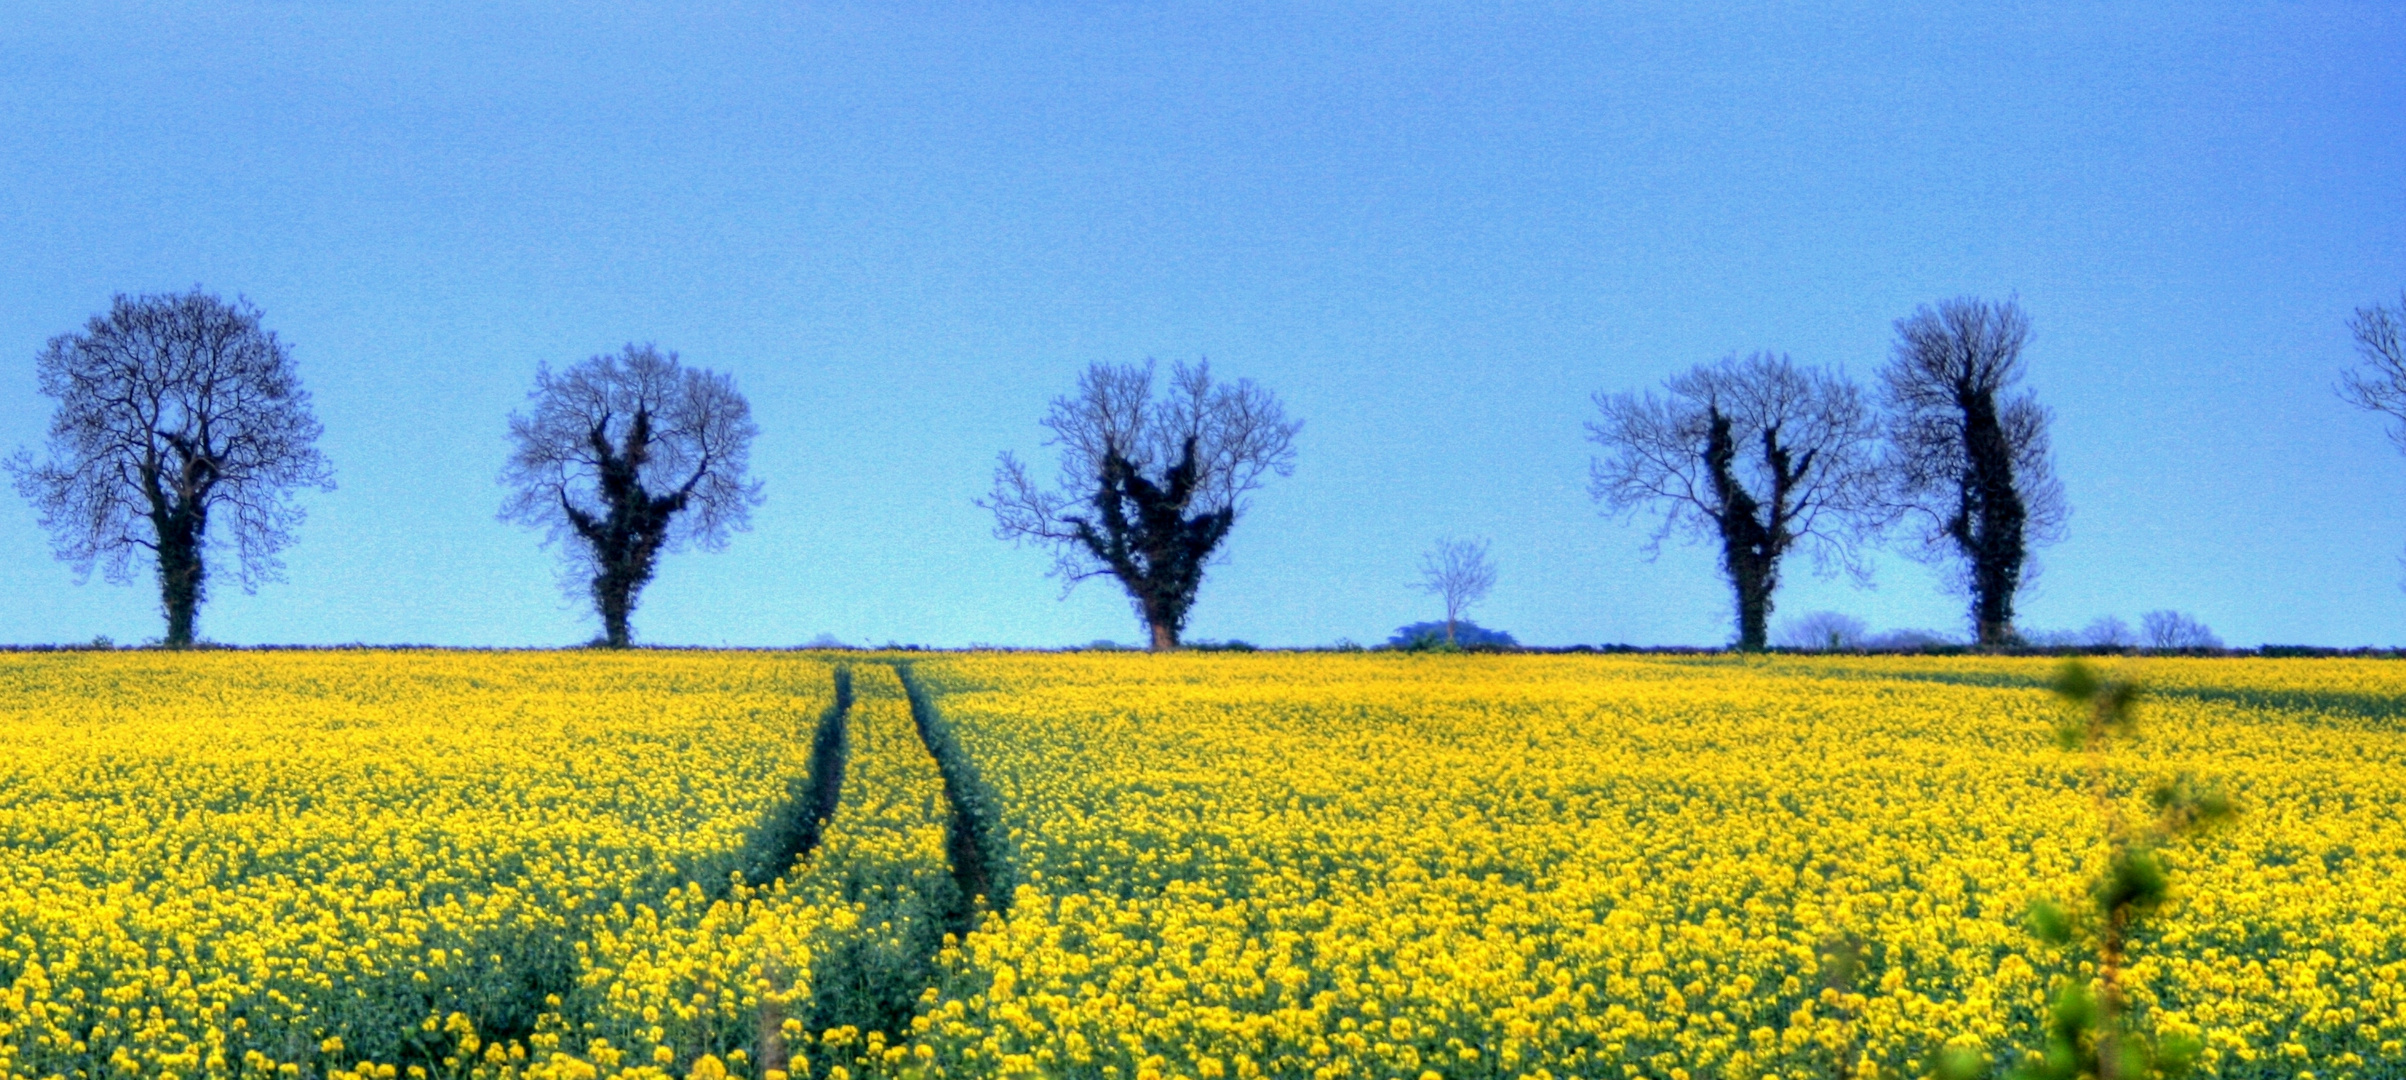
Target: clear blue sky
1435 232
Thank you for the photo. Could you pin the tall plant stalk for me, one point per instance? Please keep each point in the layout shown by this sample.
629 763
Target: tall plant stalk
2089 1034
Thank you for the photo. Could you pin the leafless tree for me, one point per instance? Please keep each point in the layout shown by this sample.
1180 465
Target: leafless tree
1827 630
1908 640
2049 638
2108 632
173 409
2380 385
626 456
1970 464
1458 572
1758 454
2175 630
1148 487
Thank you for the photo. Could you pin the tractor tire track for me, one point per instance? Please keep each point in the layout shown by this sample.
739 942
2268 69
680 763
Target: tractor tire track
790 832
979 867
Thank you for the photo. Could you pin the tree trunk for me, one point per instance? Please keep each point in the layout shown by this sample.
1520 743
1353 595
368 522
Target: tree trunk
1449 631
1749 548
616 600
1989 528
181 573
1753 588
1995 630
1997 572
1161 608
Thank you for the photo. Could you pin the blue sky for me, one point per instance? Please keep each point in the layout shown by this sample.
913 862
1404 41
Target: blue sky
1435 231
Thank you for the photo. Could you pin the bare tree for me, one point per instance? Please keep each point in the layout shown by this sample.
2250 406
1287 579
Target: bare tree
2380 385
2107 632
1908 640
2167 629
173 409
1758 454
1970 461
624 457
1826 630
2049 638
1148 487
1458 572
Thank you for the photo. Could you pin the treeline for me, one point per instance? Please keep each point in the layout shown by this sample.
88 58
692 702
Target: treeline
181 426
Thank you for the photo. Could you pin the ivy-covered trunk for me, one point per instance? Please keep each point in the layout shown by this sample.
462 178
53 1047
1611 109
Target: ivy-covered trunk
1990 524
1753 586
614 596
1750 549
182 573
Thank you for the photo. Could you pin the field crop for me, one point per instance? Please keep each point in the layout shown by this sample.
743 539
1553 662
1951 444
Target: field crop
242 862
1217 865
1522 866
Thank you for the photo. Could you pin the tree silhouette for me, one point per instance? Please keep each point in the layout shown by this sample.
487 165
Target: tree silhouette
1969 456
2168 629
1459 573
1758 454
174 411
624 457
1148 487
2107 632
1828 630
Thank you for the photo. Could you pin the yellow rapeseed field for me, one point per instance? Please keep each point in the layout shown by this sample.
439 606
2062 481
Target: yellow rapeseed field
516 866
286 863
710 986
1398 866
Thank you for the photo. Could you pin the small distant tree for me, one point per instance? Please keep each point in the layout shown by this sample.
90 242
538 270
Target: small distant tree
2174 630
1148 487
1907 640
174 411
1828 630
1426 636
1970 460
2108 632
1459 573
623 457
1757 454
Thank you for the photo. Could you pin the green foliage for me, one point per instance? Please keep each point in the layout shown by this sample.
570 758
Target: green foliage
2084 1040
2134 881
1842 962
1432 641
2183 805
2050 923
2100 708
1960 1063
